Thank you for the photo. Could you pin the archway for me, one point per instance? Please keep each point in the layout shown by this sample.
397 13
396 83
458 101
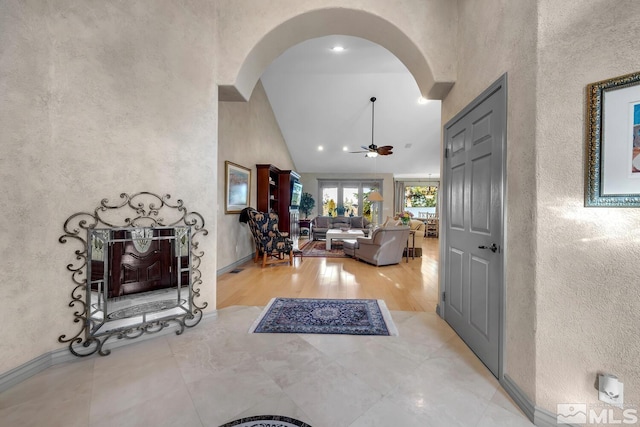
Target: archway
239 83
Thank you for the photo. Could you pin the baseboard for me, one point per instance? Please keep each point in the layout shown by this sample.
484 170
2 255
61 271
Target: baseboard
438 312
538 416
236 264
544 418
518 396
62 355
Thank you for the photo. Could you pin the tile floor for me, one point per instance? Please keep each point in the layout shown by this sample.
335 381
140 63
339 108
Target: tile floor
217 372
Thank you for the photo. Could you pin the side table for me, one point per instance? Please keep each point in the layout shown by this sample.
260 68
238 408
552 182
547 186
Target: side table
305 227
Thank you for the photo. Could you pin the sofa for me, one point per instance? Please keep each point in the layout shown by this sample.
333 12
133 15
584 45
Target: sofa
385 247
320 225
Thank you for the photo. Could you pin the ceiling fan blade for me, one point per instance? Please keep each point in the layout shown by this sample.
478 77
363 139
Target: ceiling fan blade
360 151
364 147
385 150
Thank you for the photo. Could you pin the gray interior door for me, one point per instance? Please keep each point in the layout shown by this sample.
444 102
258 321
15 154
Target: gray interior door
472 216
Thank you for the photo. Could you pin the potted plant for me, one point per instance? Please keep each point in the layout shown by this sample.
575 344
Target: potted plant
306 204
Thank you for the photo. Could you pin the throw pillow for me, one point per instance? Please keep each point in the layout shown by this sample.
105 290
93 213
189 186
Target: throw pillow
322 222
357 222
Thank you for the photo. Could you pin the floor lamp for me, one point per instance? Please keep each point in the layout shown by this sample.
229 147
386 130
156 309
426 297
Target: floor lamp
375 197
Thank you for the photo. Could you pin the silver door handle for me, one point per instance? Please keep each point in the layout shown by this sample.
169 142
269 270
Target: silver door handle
493 248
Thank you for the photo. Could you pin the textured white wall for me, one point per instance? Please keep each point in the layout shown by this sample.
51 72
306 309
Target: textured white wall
248 134
103 97
96 98
498 36
587 280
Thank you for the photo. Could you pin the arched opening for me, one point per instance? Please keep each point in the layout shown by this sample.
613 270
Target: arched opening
239 84
317 24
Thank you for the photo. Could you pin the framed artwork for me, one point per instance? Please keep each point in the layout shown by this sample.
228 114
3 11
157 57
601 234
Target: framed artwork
237 187
613 142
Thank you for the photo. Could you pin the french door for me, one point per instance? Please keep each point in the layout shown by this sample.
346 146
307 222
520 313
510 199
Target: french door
349 195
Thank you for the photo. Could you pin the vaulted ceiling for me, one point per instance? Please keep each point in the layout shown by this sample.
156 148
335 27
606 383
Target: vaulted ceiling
321 98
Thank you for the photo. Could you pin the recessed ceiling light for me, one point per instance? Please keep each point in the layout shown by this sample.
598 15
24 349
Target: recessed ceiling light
345 148
320 148
337 48
422 100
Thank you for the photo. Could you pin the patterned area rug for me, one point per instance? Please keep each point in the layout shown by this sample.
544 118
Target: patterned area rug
325 316
316 248
266 421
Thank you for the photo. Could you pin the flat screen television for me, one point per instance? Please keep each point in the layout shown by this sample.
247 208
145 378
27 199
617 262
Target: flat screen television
296 194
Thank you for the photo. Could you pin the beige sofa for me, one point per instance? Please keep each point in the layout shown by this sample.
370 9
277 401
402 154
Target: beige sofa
385 246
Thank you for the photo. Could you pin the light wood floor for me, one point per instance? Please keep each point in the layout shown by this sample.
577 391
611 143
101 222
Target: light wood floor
411 286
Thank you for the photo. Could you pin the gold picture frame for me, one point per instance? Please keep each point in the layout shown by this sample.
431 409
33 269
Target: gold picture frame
237 187
613 142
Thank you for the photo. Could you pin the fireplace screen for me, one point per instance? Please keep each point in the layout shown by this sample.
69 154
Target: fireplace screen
136 271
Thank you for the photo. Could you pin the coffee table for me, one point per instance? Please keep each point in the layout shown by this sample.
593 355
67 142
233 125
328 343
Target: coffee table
336 234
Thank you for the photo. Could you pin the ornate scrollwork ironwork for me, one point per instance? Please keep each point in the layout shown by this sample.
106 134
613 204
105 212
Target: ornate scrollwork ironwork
143 209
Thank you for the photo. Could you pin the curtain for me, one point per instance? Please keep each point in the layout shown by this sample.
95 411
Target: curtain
398 197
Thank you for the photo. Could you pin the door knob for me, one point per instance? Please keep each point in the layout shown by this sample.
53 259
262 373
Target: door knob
493 248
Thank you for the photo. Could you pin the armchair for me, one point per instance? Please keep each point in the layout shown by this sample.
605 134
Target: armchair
270 243
385 246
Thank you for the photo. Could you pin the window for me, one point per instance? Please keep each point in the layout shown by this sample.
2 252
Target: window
348 197
421 197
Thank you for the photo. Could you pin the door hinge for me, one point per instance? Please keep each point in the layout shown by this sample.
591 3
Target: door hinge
444 296
446 153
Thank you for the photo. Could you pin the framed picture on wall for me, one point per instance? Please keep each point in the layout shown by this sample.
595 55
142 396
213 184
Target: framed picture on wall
613 142
237 187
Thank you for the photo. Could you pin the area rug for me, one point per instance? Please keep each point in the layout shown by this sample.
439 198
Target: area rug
266 421
317 248
325 316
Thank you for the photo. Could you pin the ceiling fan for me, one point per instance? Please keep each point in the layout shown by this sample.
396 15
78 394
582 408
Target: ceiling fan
373 150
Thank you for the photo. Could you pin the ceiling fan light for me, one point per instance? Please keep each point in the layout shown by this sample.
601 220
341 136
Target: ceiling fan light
371 154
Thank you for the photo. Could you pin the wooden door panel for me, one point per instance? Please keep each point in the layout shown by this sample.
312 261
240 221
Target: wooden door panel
481 129
479 295
457 143
134 270
456 198
456 282
480 208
